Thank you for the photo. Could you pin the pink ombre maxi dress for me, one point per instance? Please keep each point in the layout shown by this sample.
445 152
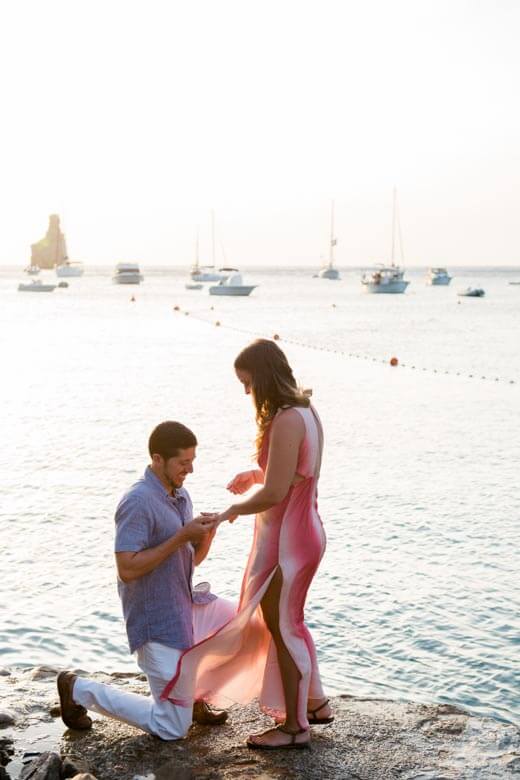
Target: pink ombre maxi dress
239 661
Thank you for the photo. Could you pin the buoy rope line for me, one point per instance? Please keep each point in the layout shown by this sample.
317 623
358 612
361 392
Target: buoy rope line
393 361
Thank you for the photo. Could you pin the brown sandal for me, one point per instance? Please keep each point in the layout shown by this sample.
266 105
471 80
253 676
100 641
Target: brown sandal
292 745
314 721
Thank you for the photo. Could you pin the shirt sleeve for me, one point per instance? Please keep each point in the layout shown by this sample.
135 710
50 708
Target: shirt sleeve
132 526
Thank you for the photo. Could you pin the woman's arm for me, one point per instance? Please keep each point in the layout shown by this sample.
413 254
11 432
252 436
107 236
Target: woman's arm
245 480
287 433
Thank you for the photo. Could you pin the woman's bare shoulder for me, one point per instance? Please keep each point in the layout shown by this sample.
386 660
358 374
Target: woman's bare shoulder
288 420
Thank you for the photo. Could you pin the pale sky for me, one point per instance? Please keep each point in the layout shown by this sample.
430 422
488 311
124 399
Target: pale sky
133 119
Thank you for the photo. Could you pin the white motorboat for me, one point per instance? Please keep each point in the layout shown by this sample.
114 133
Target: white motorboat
438 277
232 285
328 271
32 270
385 279
208 273
472 292
127 273
388 278
35 285
69 268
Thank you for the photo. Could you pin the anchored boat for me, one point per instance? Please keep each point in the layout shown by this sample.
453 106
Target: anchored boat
232 286
35 285
388 278
438 277
472 292
328 271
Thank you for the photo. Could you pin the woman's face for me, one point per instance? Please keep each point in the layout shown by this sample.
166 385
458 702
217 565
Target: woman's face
245 378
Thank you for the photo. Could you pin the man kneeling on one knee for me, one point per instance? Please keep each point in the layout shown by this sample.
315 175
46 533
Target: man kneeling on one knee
157 544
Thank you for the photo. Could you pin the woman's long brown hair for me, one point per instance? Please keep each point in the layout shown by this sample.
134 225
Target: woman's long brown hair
273 385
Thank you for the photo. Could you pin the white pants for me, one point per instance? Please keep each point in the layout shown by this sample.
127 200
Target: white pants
159 662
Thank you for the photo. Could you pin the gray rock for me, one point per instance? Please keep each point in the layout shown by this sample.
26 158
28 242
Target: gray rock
4 672
73 768
46 767
370 739
43 672
7 718
172 769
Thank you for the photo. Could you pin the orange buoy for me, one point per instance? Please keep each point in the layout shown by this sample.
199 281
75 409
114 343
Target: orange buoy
394 361
276 337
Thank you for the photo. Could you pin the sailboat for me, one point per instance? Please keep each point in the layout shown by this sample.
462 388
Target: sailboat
388 278
328 271
207 273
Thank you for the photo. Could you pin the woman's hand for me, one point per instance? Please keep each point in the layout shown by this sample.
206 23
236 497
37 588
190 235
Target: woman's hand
228 515
242 482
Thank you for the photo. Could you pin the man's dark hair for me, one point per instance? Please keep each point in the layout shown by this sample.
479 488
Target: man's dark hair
170 437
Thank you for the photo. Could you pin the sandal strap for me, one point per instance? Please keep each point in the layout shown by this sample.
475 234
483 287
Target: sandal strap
313 712
292 734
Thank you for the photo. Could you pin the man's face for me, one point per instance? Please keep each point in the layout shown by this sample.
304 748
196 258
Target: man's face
174 471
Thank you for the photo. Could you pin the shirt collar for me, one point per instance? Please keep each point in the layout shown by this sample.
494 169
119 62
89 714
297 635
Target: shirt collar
157 486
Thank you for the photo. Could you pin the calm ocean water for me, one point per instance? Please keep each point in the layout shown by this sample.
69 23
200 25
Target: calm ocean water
418 594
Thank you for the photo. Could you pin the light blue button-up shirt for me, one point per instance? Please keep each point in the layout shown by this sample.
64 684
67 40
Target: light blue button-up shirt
158 606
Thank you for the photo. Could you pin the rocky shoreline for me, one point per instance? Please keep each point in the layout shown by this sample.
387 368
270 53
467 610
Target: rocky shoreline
371 739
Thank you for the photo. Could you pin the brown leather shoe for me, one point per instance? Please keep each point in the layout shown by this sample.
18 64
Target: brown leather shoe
73 715
205 716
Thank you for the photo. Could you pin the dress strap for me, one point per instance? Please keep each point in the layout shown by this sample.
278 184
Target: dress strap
320 442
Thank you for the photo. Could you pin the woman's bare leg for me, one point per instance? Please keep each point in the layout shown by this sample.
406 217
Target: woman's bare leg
288 670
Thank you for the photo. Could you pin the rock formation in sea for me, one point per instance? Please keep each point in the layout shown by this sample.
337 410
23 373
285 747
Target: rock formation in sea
51 250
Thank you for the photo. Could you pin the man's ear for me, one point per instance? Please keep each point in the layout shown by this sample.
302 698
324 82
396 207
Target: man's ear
157 460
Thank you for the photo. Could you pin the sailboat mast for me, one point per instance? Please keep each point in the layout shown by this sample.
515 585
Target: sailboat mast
197 265
393 226
213 238
332 240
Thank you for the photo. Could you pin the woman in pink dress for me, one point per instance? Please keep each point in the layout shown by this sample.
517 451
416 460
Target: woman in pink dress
266 650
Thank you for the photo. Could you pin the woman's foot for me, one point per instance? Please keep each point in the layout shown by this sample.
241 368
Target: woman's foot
280 738
319 711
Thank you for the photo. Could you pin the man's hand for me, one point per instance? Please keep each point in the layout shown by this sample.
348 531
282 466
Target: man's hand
196 530
200 531
202 546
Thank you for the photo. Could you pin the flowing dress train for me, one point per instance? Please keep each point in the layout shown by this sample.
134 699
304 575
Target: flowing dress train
239 662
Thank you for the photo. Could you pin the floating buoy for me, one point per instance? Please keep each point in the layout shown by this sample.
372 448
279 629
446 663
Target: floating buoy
176 308
132 299
333 305
394 361
186 313
217 324
276 337
211 308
